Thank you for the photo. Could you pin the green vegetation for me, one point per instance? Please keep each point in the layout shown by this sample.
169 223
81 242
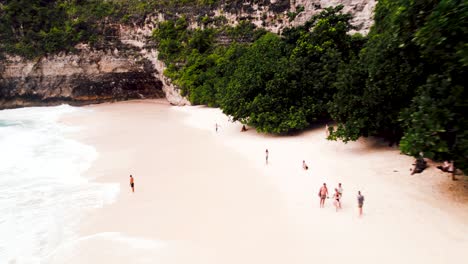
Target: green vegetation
34 27
405 81
408 83
277 84
293 15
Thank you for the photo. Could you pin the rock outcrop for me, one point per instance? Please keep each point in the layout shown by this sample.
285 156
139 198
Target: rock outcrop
87 76
128 67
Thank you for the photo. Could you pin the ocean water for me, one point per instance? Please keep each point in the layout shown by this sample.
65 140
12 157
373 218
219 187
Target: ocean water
43 194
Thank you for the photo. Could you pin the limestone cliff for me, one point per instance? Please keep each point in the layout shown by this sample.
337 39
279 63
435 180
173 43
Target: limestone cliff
128 68
87 76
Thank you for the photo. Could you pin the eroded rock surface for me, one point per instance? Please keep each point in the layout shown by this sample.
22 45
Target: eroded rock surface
128 66
82 78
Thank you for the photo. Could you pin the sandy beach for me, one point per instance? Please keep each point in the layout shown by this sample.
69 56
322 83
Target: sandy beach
203 196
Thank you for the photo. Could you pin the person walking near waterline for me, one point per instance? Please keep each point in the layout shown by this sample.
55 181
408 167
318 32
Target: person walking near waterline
323 193
360 199
266 156
132 183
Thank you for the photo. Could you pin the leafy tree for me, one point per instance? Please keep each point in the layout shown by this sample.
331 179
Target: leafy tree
320 47
435 122
392 71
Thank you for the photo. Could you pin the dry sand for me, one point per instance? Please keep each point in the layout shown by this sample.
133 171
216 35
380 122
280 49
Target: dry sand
208 197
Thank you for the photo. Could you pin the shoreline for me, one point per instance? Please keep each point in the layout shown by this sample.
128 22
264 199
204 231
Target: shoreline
207 197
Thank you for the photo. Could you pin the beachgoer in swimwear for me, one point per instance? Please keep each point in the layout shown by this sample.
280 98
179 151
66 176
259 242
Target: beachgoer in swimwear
266 156
216 127
323 193
445 167
337 197
419 165
449 167
243 128
132 183
340 191
360 200
304 165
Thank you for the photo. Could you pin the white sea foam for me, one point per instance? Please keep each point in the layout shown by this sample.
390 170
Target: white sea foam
42 189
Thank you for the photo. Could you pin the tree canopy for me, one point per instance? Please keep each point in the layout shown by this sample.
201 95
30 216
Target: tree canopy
404 81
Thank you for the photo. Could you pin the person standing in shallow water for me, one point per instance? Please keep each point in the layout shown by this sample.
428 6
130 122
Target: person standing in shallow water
132 183
266 156
360 199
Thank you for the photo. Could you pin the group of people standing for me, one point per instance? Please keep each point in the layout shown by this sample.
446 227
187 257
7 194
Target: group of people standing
323 192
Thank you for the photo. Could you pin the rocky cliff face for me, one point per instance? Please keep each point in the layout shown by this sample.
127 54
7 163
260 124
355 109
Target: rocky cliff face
88 76
128 68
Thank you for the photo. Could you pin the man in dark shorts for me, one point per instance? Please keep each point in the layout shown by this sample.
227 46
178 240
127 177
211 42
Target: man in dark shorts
132 183
323 193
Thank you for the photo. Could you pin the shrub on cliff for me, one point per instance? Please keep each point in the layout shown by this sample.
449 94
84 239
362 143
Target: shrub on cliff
32 27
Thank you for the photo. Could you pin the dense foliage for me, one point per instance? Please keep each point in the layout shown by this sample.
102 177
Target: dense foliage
31 28
405 81
409 83
276 83
34 27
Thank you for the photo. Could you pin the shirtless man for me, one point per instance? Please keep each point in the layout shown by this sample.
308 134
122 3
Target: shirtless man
132 183
323 193
266 156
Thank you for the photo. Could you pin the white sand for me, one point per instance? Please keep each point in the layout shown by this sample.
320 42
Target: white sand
207 197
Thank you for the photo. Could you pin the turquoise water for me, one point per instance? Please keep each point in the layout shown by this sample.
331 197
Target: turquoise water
43 193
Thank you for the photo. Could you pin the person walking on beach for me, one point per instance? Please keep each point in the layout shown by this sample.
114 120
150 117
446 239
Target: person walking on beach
132 183
340 191
266 156
216 127
337 197
323 193
304 165
360 200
